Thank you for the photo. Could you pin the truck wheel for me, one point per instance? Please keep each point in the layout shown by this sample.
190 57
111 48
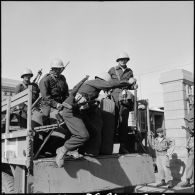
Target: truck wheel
7 183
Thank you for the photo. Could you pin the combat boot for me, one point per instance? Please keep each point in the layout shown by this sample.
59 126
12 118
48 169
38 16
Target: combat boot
61 152
162 183
186 184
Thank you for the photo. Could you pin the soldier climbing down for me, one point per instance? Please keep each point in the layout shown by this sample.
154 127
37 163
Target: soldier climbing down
84 95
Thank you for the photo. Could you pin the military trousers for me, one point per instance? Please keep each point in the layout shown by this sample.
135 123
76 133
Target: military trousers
77 128
163 165
123 123
190 167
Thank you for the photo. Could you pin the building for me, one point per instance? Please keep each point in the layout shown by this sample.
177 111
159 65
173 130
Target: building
8 87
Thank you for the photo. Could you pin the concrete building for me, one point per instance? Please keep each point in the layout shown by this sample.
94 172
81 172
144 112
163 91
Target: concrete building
8 87
177 84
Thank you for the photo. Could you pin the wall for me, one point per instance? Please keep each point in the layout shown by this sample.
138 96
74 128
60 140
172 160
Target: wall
174 84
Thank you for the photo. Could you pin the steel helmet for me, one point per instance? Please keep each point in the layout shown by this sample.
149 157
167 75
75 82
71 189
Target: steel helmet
27 72
104 75
57 63
123 55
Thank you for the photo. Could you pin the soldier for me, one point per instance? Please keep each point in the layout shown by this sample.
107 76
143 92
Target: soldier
84 99
190 144
161 145
26 76
54 89
124 100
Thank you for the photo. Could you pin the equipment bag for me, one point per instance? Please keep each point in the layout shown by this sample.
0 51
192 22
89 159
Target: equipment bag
107 107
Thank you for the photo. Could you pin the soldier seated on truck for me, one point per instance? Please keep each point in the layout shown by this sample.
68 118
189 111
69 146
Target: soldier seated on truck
54 89
20 111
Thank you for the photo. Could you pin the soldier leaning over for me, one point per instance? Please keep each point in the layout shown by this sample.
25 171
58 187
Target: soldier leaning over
54 89
87 93
161 145
190 144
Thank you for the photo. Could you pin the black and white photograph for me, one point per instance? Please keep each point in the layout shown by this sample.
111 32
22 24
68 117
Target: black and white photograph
97 97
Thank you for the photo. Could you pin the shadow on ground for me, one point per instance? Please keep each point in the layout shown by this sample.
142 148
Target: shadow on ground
152 189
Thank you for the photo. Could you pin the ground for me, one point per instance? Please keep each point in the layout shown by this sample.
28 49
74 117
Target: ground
151 188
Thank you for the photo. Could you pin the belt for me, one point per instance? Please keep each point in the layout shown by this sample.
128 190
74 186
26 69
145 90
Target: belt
161 153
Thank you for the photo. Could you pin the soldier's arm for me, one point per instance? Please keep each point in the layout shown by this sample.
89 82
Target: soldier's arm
171 144
66 88
117 84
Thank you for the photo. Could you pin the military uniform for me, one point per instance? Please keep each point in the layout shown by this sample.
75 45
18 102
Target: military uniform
23 108
53 90
122 106
78 123
35 89
190 148
162 158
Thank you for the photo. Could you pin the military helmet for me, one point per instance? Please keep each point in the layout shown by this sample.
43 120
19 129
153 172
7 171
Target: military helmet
57 63
159 130
123 55
104 75
26 72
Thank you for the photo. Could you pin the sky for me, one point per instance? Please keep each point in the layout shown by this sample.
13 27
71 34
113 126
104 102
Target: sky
157 35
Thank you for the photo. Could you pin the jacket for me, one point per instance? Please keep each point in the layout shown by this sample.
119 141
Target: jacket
53 90
117 73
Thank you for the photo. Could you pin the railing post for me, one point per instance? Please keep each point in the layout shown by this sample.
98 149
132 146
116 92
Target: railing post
148 118
7 124
29 139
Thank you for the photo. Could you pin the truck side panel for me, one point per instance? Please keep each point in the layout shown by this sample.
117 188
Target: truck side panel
93 174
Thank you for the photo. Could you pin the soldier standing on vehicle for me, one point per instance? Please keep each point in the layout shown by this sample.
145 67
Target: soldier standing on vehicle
26 76
72 113
124 100
164 148
54 89
190 144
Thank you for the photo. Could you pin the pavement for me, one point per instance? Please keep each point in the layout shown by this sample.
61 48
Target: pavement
151 188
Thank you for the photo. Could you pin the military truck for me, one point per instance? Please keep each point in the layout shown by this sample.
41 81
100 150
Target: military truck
23 173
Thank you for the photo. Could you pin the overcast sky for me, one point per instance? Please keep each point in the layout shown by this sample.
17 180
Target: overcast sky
158 36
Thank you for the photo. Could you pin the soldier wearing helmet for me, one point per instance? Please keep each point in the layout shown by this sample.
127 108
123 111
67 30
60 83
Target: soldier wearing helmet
54 89
26 75
87 117
123 98
189 120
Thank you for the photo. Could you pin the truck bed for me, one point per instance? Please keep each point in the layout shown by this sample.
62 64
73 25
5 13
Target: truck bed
89 174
